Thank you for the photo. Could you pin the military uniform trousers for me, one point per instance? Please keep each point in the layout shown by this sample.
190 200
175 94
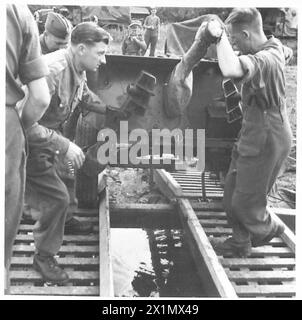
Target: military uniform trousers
47 193
15 159
257 157
151 39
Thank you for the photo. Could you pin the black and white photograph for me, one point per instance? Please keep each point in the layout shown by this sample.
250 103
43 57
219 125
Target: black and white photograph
150 151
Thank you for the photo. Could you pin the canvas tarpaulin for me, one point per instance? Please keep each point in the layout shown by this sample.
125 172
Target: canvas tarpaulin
180 37
106 14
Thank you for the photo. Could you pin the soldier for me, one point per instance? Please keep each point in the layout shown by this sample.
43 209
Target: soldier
134 44
45 190
57 33
24 65
56 36
265 138
152 33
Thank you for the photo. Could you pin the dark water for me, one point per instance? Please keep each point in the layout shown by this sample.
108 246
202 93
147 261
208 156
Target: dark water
153 263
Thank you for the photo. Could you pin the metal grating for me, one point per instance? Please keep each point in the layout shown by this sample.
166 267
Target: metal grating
79 256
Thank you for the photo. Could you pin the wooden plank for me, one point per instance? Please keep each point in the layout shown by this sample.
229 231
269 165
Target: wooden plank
272 275
195 180
284 211
261 262
28 275
55 291
102 180
186 173
215 270
288 236
22 248
189 181
86 212
269 251
167 183
277 242
29 227
197 195
213 222
207 206
285 290
210 215
141 209
26 261
272 251
105 262
208 177
218 231
72 238
199 189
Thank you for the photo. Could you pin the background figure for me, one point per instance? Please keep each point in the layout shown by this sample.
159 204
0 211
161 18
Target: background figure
24 65
152 33
57 33
94 19
134 44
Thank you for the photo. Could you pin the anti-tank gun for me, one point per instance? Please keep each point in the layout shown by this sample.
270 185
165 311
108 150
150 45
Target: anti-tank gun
183 93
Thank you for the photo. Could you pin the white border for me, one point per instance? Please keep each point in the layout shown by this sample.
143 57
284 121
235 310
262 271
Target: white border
162 3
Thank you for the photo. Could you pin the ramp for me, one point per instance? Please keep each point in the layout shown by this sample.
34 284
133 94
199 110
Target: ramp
268 272
79 256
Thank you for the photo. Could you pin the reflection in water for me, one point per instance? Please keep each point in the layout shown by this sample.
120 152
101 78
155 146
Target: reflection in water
152 263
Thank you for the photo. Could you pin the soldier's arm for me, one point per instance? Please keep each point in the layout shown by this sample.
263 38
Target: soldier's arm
140 41
91 102
124 47
146 23
41 137
36 103
228 61
32 69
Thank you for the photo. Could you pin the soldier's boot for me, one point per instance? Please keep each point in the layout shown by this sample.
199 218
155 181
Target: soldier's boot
230 247
49 269
74 226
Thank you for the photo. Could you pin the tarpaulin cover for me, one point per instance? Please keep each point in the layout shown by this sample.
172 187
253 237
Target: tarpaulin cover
180 36
106 14
282 22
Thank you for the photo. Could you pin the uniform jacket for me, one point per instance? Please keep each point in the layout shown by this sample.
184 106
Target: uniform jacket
263 98
132 47
24 62
155 23
66 87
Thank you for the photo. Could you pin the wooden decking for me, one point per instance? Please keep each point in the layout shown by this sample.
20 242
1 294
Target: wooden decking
79 256
268 272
